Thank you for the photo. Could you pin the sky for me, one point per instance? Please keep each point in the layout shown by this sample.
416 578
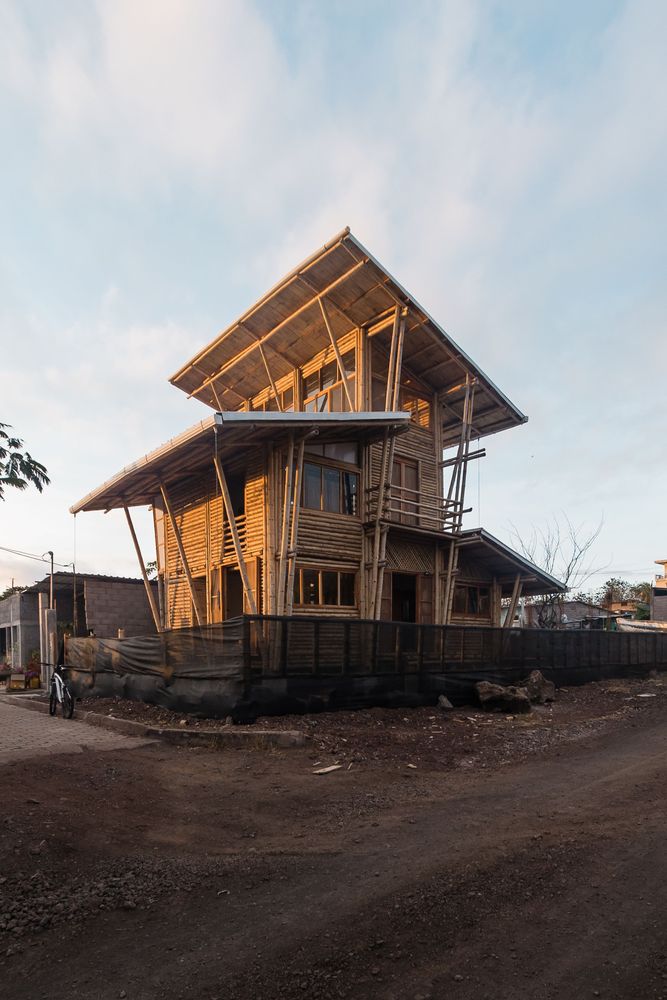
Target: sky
164 162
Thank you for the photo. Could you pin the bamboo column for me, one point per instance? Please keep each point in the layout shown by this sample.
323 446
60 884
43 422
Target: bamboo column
144 574
181 552
294 534
287 506
236 541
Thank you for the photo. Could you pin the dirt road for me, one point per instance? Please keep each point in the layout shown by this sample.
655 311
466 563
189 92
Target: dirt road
190 874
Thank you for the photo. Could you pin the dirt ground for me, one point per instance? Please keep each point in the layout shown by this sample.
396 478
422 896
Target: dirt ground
450 855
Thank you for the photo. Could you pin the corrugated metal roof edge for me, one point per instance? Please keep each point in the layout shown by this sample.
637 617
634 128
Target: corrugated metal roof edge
241 417
485 536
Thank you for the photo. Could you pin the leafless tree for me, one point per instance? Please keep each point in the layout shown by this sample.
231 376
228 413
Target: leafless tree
563 550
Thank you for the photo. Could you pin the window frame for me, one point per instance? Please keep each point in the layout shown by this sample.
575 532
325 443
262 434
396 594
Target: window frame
320 571
343 469
478 588
325 393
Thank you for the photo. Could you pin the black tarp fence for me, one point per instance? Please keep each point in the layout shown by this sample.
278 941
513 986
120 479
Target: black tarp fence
271 665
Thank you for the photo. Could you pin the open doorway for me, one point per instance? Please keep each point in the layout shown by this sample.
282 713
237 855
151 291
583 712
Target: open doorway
233 602
404 597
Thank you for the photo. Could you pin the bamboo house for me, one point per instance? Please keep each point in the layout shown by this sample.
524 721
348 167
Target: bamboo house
329 478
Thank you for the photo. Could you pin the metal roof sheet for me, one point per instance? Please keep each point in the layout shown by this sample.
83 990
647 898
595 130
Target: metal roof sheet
288 324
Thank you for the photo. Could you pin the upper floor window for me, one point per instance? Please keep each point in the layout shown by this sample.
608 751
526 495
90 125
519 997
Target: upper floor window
331 489
323 390
270 404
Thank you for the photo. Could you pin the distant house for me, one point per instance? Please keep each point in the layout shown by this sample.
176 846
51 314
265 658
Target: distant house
83 603
575 614
658 611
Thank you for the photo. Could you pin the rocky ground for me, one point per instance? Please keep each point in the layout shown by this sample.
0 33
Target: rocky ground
451 854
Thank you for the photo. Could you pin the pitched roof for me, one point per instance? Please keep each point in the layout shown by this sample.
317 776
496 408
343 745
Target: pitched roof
287 327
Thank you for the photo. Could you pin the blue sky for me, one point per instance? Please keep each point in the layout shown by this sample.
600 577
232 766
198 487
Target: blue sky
165 162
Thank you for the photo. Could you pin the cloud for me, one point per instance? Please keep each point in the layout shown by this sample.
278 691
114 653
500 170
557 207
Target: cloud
523 206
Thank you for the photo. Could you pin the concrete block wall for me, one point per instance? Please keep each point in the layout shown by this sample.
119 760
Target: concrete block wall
114 604
19 613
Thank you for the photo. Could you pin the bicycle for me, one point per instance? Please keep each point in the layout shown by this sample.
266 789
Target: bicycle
60 693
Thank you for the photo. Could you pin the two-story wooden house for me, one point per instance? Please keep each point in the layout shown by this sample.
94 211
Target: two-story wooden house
331 477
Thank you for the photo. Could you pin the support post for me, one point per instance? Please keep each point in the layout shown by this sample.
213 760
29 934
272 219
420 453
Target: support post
287 506
268 372
144 575
449 584
294 533
236 541
339 360
516 594
181 552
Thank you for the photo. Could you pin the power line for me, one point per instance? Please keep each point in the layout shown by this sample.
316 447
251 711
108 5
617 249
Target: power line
29 555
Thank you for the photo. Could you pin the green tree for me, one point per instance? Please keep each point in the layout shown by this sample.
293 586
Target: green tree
17 466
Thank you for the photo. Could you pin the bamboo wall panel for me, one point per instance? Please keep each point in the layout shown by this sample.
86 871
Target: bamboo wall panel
329 538
179 603
254 505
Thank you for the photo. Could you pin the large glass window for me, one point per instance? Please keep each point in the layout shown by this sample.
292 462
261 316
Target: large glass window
330 489
324 587
323 390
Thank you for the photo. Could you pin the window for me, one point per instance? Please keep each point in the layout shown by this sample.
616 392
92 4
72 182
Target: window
340 452
271 403
471 600
324 588
323 390
330 489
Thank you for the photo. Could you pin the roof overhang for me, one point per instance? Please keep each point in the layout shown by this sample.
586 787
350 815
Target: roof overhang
230 435
505 564
285 329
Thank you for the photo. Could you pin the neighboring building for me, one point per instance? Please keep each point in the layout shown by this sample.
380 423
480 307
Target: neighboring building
574 614
19 629
331 478
83 602
658 610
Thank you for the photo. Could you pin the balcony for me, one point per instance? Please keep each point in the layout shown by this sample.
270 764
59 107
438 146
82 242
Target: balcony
414 509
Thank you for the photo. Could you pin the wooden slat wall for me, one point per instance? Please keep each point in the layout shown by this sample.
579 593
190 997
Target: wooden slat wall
198 510
329 538
179 603
255 490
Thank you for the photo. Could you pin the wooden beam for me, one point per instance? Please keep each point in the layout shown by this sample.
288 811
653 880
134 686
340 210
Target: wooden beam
236 541
294 534
516 593
391 369
287 505
452 564
144 575
339 360
181 552
268 372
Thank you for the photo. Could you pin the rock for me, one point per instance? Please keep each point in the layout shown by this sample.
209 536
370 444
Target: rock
496 698
444 703
539 689
129 904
